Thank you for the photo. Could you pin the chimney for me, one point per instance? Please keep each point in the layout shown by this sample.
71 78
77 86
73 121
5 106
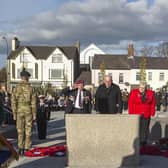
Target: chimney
78 45
130 50
15 43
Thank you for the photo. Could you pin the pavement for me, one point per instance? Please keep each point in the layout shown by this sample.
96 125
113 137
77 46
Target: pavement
56 136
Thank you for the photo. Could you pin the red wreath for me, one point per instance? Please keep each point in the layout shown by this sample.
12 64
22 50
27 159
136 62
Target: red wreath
45 151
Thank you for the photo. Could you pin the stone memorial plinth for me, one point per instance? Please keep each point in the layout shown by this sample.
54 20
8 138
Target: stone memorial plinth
102 140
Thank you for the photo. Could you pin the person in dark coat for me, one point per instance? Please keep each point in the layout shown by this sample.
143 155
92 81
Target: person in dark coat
158 96
79 100
6 99
42 117
125 96
1 111
108 97
164 99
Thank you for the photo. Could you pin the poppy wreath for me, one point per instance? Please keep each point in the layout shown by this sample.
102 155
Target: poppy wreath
45 151
161 148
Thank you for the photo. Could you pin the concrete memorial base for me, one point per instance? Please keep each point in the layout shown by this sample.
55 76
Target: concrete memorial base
102 140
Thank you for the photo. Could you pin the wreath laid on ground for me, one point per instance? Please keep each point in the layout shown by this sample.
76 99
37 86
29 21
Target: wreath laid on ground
46 151
157 148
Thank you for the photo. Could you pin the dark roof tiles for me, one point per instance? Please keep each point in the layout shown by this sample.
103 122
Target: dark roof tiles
43 52
125 63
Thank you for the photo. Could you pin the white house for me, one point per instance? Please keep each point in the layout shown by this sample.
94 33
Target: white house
125 69
58 65
86 56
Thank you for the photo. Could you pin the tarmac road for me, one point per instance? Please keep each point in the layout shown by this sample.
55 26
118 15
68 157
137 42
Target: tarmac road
55 136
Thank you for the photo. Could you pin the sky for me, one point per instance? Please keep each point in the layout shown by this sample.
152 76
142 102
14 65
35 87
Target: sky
110 24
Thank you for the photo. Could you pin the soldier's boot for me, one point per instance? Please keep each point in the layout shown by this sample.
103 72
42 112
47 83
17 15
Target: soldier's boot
21 152
26 150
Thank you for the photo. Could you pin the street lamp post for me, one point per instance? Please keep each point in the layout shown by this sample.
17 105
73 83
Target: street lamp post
4 38
7 64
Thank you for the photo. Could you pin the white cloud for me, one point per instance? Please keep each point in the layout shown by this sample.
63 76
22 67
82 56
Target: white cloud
107 22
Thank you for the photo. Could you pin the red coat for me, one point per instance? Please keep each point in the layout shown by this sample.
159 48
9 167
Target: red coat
136 106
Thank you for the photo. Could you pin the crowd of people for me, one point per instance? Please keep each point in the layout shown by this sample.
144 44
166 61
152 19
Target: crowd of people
23 106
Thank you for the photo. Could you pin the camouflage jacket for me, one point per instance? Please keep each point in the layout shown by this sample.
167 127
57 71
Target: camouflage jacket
23 99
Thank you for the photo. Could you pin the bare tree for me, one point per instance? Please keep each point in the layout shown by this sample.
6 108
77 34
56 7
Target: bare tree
164 49
143 68
102 72
161 50
147 51
3 75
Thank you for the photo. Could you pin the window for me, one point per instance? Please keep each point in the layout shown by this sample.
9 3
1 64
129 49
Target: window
18 73
100 77
121 78
36 71
110 74
137 76
25 58
161 76
56 73
149 76
27 69
57 58
13 70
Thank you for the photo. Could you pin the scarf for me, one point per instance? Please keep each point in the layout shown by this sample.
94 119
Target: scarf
143 97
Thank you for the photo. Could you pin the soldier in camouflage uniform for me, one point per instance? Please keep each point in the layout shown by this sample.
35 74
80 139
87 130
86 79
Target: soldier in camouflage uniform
24 111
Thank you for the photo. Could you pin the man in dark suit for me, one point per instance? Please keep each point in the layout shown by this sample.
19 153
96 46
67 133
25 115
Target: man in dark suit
108 98
79 100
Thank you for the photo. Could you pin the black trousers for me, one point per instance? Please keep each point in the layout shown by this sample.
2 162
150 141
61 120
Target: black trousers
144 129
77 111
158 107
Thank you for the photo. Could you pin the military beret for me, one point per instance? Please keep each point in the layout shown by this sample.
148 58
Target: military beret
79 82
25 73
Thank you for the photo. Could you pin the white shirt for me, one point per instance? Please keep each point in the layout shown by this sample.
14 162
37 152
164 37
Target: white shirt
77 99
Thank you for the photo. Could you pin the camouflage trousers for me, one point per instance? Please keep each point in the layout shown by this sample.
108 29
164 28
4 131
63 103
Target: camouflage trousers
24 130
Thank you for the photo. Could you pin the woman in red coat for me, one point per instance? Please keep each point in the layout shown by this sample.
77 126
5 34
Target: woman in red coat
142 102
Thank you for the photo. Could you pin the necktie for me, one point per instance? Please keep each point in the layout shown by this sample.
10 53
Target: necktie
80 100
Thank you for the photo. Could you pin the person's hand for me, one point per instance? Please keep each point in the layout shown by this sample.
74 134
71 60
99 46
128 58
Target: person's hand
34 117
14 117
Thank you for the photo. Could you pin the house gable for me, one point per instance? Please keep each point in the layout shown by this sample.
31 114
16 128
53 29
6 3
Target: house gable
88 52
57 56
24 56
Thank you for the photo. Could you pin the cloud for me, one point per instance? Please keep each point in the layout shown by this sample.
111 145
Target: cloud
107 22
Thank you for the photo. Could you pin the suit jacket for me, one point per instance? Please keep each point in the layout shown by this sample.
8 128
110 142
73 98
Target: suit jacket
108 100
87 106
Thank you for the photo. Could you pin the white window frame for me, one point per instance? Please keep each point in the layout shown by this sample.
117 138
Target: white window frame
25 58
57 58
161 76
30 70
137 76
57 71
149 76
110 74
121 76
100 76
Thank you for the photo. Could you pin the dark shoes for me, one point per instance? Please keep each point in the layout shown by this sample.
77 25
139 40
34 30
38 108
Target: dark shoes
143 143
21 152
26 150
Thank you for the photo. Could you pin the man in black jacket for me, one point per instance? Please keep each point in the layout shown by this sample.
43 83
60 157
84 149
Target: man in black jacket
108 98
79 100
